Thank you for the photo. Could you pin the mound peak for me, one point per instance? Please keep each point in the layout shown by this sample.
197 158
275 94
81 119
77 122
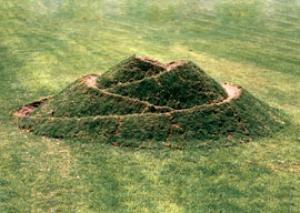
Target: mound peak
144 99
135 68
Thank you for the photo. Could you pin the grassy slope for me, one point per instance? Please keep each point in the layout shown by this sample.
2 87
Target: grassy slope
44 45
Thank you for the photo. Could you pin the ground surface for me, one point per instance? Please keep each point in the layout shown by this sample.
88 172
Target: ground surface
44 45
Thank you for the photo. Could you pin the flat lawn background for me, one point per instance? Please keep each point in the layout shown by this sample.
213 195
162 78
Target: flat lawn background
46 44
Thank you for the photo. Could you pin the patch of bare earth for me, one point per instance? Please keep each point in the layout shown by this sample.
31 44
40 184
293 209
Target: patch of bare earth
233 91
151 61
29 108
90 80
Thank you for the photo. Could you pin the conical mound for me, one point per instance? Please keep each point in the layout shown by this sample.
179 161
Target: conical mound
141 99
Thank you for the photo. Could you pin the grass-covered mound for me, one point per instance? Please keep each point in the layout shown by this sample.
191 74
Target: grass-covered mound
141 99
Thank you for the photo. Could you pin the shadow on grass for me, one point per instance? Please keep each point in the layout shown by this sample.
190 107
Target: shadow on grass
191 178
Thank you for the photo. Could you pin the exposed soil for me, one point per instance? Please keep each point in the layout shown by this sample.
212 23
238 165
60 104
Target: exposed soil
233 91
174 64
168 66
29 108
90 80
151 61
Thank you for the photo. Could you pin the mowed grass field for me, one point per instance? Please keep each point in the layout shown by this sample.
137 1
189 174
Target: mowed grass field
47 44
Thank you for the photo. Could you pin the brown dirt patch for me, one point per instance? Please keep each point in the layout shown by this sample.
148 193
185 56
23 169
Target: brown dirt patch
90 80
29 108
168 66
233 91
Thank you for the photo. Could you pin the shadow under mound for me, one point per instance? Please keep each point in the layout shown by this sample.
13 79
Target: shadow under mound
141 100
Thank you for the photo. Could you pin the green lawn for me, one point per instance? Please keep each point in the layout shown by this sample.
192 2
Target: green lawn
46 44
